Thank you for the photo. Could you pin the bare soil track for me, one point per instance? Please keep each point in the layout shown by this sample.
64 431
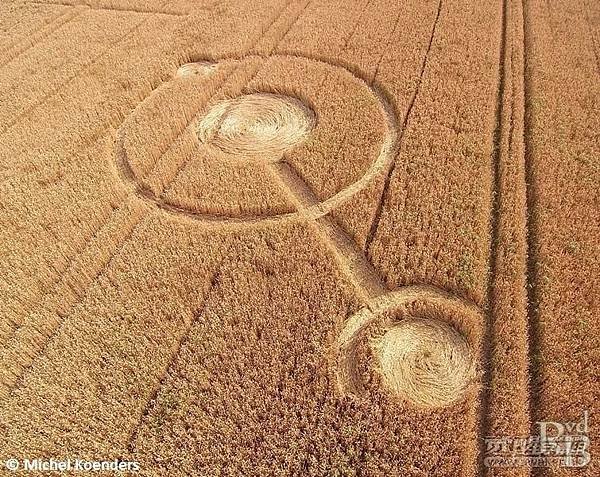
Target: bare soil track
315 237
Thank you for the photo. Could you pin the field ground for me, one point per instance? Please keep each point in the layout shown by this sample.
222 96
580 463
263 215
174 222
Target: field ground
313 237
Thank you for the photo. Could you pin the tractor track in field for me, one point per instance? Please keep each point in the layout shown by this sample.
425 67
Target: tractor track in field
500 125
532 229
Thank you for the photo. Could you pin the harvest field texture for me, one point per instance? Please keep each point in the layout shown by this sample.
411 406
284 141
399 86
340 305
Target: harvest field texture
300 238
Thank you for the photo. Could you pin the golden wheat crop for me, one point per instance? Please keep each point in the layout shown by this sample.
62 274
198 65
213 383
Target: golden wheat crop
304 238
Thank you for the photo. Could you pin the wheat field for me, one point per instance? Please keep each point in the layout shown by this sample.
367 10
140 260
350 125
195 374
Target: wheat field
298 237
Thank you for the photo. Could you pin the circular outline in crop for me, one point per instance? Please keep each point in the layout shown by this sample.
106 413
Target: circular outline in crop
417 303
384 158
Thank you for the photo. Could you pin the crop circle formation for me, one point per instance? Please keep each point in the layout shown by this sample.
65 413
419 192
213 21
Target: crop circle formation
201 68
256 125
254 128
426 362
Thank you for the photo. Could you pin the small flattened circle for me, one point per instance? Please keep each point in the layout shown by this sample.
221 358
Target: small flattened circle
418 344
199 68
426 362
